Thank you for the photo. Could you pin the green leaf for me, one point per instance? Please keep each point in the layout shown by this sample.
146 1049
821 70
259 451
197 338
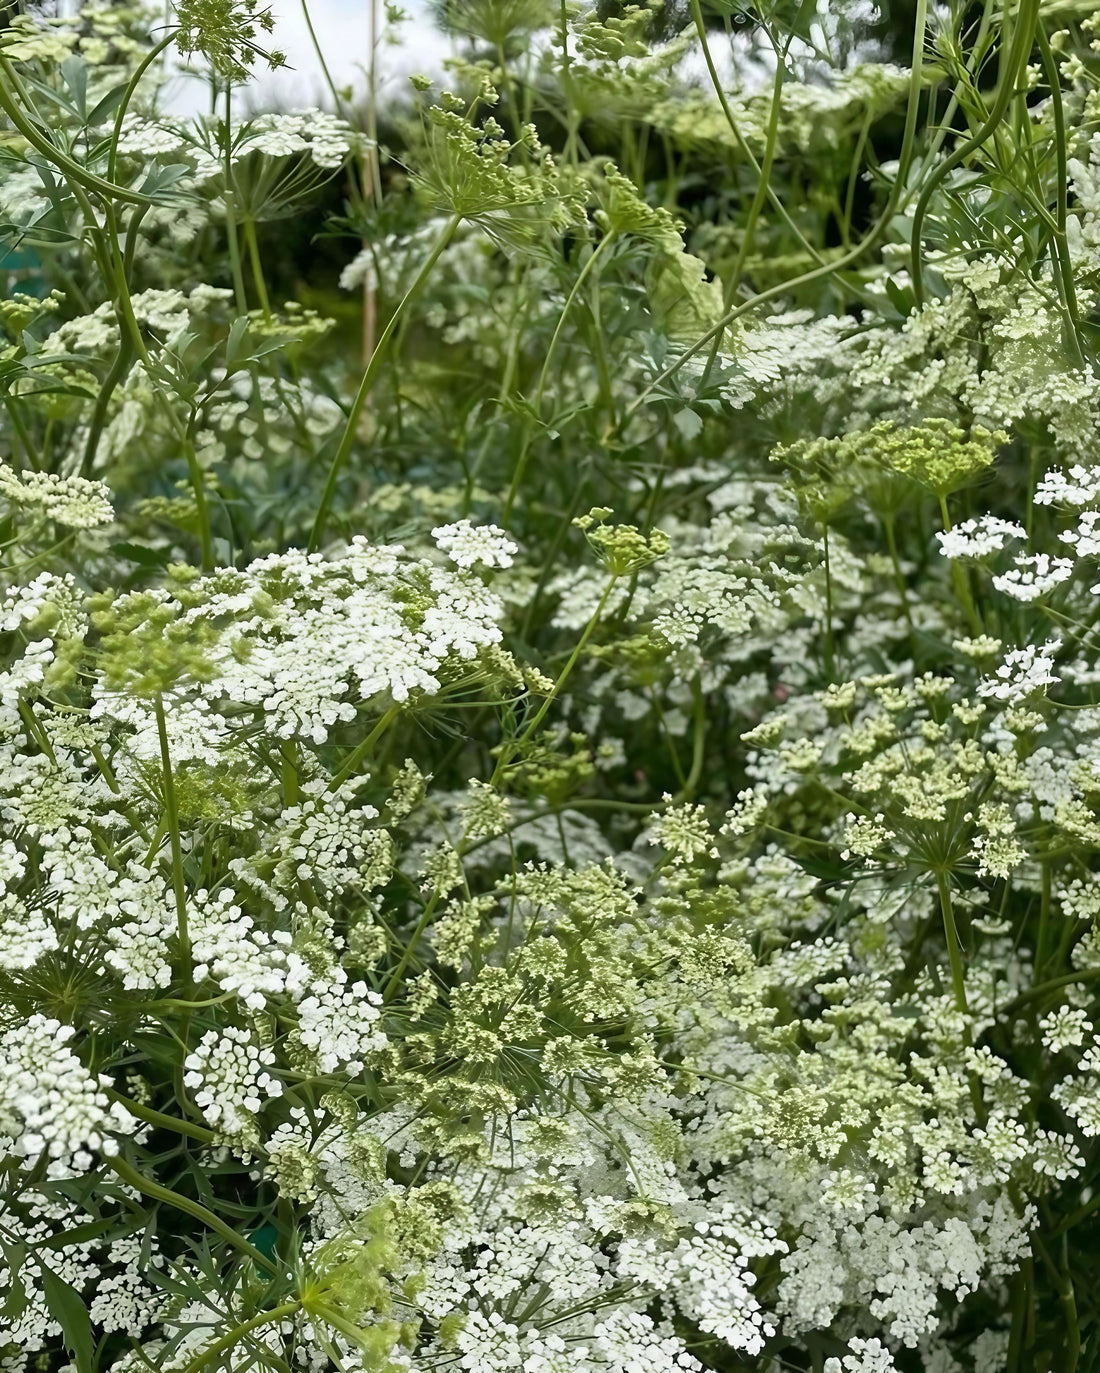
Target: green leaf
902 300
163 178
38 235
74 70
688 423
80 1234
241 348
107 106
15 1299
66 1306
138 553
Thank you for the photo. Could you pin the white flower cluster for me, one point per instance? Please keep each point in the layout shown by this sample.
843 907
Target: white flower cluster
1034 575
229 1074
75 502
321 136
314 134
469 545
978 538
235 954
306 640
1079 486
709 1277
50 1105
339 1023
1023 672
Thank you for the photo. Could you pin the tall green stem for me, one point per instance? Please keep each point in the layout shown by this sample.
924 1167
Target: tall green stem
171 813
954 949
347 439
1011 72
156 1192
249 229
525 450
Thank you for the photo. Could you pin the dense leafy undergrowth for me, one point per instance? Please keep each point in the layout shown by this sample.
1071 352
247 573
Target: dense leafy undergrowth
550 783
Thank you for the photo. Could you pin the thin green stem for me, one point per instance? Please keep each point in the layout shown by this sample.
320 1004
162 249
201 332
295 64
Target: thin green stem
124 103
347 439
874 236
171 813
234 1336
1011 73
363 748
394 979
132 1178
162 1121
508 750
954 950
1061 184
762 171
830 641
524 454
248 227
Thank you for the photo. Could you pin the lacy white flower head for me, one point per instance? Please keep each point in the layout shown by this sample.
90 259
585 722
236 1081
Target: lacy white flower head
1085 539
682 831
979 537
303 638
49 1103
867 1356
326 139
1033 575
1066 1027
1023 672
470 545
231 951
230 1072
340 1025
1079 486
74 502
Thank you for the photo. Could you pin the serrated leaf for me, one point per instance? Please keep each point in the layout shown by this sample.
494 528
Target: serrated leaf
66 1306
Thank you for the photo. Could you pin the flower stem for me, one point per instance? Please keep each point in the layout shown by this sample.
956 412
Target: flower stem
347 439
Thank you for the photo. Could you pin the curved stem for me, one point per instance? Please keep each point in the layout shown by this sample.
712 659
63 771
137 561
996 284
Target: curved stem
128 95
347 439
132 1178
234 1336
1017 56
764 190
524 454
49 150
